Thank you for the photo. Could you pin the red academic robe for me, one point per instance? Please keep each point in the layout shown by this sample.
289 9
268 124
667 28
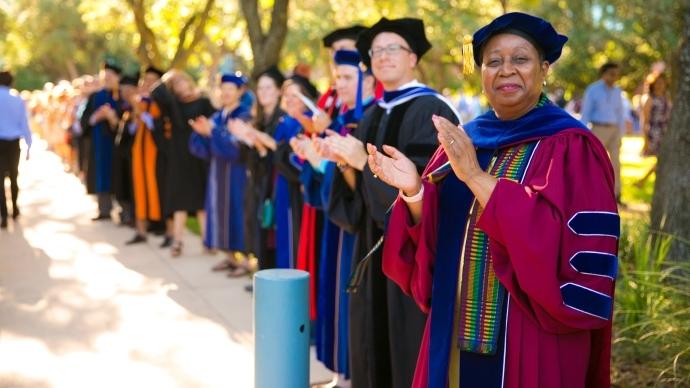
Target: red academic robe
540 233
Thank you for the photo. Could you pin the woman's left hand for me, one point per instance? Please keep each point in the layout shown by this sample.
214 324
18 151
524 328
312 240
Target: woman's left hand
459 148
463 159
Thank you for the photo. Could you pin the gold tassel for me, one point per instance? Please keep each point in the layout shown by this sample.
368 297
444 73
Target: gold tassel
467 55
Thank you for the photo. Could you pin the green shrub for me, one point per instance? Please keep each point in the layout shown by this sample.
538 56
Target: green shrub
651 345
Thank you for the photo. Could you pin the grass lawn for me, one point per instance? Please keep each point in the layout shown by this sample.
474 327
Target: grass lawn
633 168
193 225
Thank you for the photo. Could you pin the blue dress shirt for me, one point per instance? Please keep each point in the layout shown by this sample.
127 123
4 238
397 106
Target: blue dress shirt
14 122
603 105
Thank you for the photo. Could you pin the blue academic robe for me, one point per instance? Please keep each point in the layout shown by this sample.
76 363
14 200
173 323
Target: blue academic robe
99 170
286 198
226 181
337 248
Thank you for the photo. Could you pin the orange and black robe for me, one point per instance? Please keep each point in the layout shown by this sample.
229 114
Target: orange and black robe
147 204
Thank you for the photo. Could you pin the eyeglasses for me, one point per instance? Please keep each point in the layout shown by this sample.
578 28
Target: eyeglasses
391 49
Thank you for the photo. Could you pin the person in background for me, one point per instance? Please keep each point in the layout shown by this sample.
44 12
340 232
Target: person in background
213 139
385 325
287 196
98 123
185 188
148 153
356 91
258 223
339 39
14 125
122 150
654 118
603 111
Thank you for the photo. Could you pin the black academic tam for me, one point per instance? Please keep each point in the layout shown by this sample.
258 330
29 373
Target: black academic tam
410 29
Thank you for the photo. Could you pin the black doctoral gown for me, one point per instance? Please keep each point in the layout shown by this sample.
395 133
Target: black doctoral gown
186 176
386 326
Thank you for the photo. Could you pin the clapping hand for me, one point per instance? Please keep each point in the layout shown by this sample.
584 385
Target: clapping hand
298 146
320 121
109 114
459 149
395 169
325 151
302 146
201 125
348 148
239 129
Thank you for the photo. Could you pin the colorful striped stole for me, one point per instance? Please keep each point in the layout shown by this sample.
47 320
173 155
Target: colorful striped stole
481 294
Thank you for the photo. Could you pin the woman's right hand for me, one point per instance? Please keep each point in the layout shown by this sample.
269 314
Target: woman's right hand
395 169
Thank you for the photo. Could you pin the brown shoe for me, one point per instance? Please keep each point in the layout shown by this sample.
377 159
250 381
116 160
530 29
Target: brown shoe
176 249
225 265
238 272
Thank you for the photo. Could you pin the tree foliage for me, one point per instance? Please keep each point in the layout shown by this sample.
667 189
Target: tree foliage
201 35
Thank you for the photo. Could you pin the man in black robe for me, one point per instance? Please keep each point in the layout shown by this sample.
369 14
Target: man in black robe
385 325
122 151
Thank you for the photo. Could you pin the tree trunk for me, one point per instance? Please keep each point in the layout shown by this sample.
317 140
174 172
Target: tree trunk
671 202
199 20
148 51
265 47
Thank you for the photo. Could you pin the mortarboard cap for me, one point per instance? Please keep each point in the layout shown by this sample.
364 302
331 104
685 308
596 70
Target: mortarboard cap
129 80
238 79
536 30
352 58
342 33
410 29
110 65
347 57
154 70
274 73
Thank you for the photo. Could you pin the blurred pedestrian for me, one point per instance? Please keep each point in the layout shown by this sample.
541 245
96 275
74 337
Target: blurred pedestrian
14 124
603 110
654 118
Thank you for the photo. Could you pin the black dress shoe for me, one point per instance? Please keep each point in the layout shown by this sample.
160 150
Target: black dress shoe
167 242
136 239
101 217
3 223
15 213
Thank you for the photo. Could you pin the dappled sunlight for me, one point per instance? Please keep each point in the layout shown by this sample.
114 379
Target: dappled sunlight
73 315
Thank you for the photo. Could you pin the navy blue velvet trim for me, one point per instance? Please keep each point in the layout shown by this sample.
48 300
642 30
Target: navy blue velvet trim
587 300
456 199
595 223
595 263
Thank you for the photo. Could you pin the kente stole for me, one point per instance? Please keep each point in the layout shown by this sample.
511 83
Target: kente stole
481 296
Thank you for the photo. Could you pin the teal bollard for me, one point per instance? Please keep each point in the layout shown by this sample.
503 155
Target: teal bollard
281 329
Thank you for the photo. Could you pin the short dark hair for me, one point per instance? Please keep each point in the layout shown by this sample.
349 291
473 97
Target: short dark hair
6 78
608 66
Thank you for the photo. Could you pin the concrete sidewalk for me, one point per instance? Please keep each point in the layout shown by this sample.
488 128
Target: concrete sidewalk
78 308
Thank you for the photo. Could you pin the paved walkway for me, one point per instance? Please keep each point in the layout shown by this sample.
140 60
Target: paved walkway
78 308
